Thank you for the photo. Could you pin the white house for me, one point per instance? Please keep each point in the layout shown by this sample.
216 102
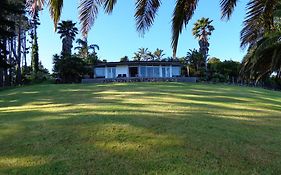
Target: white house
142 69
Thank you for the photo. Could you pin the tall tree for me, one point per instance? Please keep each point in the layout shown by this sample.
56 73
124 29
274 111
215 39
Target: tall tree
12 26
202 30
67 31
35 48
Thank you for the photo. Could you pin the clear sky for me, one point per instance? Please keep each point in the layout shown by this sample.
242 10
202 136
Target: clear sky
117 37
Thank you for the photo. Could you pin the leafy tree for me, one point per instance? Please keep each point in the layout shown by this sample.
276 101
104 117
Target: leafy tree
67 31
35 48
214 64
69 69
202 30
124 59
12 31
33 7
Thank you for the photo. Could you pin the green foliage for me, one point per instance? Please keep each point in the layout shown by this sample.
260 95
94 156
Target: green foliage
70 69
35 48
35 56
195 62
67 31
264 58
226 71
30 77
124 59
202 30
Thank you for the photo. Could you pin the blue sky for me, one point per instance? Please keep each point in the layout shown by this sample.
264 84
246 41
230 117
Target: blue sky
116 33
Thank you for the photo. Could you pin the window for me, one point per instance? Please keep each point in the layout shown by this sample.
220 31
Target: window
156 72
143 71
111 72
149 71
166 72
176 71
100 72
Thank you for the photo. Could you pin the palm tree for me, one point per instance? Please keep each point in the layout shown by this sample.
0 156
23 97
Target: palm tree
94 47
146 11
137 56
202 30
143 55
264 58
194 58
83 48
158 54
264 55
67 31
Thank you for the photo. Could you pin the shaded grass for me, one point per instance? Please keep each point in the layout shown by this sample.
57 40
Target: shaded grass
141 128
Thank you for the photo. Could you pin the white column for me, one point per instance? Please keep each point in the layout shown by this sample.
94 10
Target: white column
106 76
171 71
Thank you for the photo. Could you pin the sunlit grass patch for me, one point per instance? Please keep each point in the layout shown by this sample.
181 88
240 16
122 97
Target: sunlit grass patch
140 128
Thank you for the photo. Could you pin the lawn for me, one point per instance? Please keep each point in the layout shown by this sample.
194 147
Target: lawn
141 128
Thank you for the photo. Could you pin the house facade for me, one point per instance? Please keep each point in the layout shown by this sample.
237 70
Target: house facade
135 69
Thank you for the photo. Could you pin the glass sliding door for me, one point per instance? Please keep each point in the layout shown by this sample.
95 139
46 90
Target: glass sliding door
156 72
166 72
111 72
149 72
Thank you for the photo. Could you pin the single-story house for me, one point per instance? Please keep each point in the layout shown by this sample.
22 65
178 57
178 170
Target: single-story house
142 69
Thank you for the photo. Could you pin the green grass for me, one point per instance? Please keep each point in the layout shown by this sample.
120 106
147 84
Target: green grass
142 128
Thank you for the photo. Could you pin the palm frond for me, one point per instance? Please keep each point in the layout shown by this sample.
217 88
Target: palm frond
227 8
146 11
33 5
55 10
258 21
109 5
88 11
183 12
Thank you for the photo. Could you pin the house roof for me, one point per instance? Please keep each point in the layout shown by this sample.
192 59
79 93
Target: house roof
140 63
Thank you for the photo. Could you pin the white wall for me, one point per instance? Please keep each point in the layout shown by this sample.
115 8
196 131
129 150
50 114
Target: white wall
124 69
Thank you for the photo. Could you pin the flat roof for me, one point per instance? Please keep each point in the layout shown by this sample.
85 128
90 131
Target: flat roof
140 63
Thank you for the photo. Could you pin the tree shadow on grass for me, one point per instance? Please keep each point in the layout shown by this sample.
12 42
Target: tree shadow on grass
104 133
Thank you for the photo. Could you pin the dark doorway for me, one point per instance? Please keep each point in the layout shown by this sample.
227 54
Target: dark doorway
134 71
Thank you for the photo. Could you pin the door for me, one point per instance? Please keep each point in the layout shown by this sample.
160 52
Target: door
134 72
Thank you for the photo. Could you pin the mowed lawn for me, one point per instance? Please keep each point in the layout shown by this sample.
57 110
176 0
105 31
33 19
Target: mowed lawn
140 128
